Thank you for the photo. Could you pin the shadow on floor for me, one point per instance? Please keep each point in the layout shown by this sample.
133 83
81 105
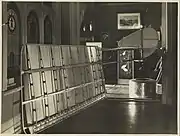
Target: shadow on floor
119 117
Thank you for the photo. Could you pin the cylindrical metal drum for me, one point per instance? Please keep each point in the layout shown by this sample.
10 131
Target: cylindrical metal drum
142 88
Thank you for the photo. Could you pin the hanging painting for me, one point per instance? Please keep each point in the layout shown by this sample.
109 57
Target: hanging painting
128 21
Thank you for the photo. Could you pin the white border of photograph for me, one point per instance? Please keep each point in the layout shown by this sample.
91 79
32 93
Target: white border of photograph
122 15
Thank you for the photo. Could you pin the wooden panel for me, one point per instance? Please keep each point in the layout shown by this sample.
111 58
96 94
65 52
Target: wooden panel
91 75
82 56
71 98
74 55
47 62
57 55
82 59
98 57
66 54
35 89
78 75
88 74
33 54
84 80
28 109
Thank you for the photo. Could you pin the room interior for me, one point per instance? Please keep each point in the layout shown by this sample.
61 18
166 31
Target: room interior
89 68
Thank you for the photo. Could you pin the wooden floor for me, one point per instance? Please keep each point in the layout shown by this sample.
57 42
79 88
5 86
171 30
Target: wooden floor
120 117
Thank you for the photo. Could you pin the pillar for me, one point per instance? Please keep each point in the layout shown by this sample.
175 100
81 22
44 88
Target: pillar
41 26
4 46
169 41
3 51
74 12
164 44
24 15
65 30
57 23
164 25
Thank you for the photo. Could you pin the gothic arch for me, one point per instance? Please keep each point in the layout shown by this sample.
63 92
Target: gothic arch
47 30
32 28
13 40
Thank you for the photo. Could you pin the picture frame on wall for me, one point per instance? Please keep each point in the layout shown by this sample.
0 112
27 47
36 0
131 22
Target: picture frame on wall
128 21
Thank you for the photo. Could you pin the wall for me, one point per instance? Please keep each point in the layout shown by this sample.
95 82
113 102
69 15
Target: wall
105 17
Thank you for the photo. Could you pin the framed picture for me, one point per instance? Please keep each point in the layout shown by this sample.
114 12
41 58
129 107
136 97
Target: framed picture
128 21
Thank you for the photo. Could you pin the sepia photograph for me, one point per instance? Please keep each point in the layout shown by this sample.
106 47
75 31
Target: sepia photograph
74 67
129 21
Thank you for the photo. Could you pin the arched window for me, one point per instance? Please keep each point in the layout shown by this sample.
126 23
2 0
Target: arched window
47 30
32 28
13 43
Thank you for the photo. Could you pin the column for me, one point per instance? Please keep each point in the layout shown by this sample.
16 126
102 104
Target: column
74 23
3 51
41 26
164 24
24 15
165 77
57 23
4 46
65 21
169 40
